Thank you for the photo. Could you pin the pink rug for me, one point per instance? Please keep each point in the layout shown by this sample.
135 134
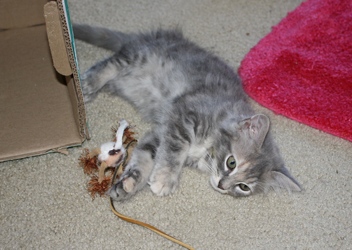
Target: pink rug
303 68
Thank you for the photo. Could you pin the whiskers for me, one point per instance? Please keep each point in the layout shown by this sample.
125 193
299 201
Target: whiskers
207 164
260 187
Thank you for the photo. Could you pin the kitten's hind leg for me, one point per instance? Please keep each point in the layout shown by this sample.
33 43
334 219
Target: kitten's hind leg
97 77
138 170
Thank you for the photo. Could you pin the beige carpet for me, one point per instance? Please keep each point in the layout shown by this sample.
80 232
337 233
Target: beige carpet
44 203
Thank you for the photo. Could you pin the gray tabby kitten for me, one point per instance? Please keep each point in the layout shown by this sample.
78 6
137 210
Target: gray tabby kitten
198 109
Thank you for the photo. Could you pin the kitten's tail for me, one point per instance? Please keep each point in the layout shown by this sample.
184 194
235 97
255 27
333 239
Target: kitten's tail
101 37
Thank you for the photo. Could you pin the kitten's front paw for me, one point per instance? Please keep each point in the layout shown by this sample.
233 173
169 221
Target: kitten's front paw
126 187
117 193
163 184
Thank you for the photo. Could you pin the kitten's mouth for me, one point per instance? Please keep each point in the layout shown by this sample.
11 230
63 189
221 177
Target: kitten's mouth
214 181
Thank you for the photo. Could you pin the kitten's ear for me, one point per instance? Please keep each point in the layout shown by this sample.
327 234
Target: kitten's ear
258 127
284 180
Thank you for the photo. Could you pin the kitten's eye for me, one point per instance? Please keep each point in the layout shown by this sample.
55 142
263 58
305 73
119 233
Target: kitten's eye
231 162
244 187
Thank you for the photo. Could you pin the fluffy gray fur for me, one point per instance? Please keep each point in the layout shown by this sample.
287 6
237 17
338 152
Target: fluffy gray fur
198 109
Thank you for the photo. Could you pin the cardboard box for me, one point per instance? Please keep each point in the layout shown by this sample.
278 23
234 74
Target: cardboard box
41 102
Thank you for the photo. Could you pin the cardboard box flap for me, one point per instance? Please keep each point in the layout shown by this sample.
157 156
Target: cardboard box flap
19 13
56 39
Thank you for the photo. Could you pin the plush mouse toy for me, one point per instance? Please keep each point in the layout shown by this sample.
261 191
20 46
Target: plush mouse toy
100 163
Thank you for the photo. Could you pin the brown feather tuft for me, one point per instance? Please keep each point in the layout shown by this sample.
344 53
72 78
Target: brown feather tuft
88 163
95 188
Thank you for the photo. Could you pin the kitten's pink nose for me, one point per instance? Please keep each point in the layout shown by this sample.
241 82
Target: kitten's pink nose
220 185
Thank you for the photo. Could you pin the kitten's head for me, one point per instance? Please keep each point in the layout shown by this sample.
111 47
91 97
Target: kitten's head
246 161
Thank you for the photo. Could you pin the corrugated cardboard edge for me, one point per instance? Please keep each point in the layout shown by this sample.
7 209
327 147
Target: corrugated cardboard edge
82 119
56 39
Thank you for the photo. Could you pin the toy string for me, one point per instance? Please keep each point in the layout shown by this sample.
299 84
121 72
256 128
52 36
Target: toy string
137 222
